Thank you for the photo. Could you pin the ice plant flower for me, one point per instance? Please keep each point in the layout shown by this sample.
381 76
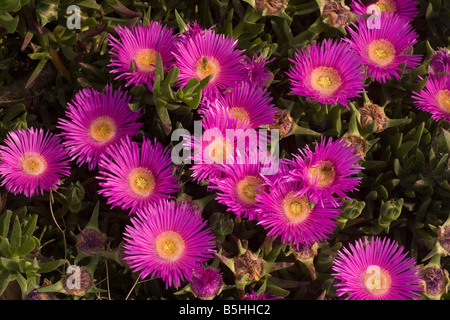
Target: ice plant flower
257 72
244 103
133 177
376 270
32 161
96 121
328 72
239 185
135 51
435 97
327 171
407 9
254 295
212 147
206 283
293 217
385 50
168 240
209 53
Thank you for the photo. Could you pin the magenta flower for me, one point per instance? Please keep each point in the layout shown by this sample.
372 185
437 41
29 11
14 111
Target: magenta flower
32 161
384 50
244 103
208 53
95 122
254 295
135 51
168 240
406 9
133 177
329 72
293 217
435 97
213 147
206 283
329 169
379 270
240 184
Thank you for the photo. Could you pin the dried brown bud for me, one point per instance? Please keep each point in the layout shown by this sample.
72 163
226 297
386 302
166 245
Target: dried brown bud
306 252
337 12
370 112
248 265
283 122
77 281
359 143
273 6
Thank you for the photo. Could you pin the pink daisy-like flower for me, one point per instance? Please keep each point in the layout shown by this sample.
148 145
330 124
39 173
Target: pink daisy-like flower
329 72
245 103
32 161
133 177
213 147
379 270
385 50
240 184
257 72
254 295
206 283
293 217
168 240
136 49
329 169
406 9
435 97
207 54
95 122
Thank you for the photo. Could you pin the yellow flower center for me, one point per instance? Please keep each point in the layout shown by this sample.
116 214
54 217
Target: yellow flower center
102 129
323 174
141 181
206 66
381 52
326 80
382 5
443 99
169 245
218 149
33 164
246 190
376 280
145 60
239 113
295 208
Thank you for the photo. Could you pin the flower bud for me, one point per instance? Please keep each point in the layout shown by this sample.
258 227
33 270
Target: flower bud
36 295
358 143
206 283
270 7
90 241
444 239
77 283
389 211
306 255
435 279
221 224
372 112
336 12
254 295
440 61
283 122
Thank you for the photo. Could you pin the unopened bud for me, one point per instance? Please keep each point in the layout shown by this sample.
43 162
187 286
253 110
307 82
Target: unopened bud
283 122
372 112
270 7
206 283
90 241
